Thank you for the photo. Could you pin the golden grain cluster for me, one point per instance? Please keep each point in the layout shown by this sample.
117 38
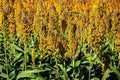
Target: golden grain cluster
61 25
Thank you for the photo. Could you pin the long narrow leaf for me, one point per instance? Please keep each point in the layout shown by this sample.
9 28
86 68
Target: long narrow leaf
115 71
3 75
25 74
106 74
1 67
29 73
17 48
12 75
64 71
17 56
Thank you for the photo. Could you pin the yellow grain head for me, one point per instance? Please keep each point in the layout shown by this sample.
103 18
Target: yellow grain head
51 40
42 43
117 42
73 45
1 15
61 44
12 24
39 18
17 10
58 6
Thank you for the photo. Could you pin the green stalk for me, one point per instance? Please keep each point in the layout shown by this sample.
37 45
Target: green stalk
73 68
25 61
6 60
57 68
25 57
90 61
90 71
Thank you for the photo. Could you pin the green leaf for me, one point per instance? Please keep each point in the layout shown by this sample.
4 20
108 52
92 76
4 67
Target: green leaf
85 62
106 74
40 78
1 36
1 55
25 74
17 48
1 67
17 61
95 78
12 74
1 39
3 75
115 71
44 70
64 71
61 67
17 56
29 73
69 69
77 63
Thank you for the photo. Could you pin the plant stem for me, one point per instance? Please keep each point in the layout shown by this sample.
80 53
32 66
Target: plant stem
90 71
73 68
90 61
57 75
6 60
25 57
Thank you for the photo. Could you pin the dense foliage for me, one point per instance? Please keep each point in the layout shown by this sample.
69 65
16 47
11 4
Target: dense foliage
60 39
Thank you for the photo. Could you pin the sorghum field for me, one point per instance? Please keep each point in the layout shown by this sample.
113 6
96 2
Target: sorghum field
59 39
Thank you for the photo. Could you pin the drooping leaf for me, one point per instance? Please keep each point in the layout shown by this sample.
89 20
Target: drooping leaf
3 75
17 56
69 69
25 74
29 73
64 71
61 67
12 74
77 63
115 71
17 48
1 67
106 74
